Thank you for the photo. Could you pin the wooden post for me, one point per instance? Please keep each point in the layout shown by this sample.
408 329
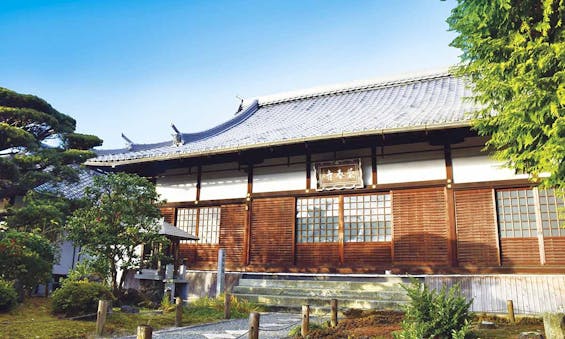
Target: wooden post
333 320
253 325
101 317
144 332
305 320
510 307
178 309
227 305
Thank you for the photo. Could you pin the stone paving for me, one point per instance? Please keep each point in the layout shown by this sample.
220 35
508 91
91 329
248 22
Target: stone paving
271 325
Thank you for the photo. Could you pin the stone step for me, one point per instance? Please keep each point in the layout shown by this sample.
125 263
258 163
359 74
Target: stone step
319 303
377 286
329 293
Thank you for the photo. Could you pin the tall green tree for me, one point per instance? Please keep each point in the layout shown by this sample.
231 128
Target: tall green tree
514 56
122 213
37 144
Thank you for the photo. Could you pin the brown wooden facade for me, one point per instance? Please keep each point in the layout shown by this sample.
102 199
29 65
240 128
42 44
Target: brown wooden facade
259 234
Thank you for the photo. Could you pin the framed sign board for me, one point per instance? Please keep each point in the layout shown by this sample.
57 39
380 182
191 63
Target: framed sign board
340 174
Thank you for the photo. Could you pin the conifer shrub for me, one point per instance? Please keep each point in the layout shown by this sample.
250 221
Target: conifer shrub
435 314
8 296
76 298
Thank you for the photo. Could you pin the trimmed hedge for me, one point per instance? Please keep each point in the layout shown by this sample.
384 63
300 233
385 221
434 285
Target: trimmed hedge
76 298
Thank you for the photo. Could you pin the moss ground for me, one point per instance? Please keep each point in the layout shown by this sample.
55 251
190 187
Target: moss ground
33 319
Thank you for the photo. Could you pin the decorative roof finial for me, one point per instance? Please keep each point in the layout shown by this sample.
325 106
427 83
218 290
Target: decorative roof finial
177 136
129 143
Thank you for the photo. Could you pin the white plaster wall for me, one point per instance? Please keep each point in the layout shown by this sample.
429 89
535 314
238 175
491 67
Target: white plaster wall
279 178
177 188
410 167
65 262
223 185
477 168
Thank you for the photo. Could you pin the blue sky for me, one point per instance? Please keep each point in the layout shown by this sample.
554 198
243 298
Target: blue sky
136 66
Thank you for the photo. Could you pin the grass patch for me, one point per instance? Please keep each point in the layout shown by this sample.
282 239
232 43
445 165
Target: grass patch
33 319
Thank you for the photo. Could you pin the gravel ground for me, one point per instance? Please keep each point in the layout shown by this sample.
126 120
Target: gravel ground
271 325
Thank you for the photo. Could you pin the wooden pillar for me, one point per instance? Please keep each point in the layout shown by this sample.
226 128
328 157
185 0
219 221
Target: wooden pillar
144 332
101 317
178 312
198 183
305 327
450 199
340 234
253 331
308 169
248 217
374 166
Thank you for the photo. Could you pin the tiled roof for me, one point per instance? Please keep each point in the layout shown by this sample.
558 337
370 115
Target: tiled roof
413 103
175 232
71 190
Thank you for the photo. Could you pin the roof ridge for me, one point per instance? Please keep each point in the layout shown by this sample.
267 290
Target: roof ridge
359 85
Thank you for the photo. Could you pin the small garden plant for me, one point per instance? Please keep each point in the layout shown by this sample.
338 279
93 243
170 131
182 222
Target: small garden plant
435 314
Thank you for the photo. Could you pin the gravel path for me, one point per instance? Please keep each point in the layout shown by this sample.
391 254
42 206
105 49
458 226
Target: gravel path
271 325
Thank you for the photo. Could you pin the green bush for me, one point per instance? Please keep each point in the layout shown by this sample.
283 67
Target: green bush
8 296
435 314
76 298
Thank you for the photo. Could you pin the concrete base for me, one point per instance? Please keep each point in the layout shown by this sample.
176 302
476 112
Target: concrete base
203 283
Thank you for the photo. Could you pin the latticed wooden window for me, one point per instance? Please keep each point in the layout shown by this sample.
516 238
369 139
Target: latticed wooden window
518 211
367 218
203 222
550 207
317 220
209 225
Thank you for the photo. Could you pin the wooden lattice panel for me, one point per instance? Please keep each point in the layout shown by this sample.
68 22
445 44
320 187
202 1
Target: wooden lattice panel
420 227
477 241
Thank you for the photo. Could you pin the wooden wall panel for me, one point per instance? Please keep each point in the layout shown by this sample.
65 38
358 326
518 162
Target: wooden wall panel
169 214
272 233
554 250
420 227
232 232
370 255
477 240
317 255
201 256
520 251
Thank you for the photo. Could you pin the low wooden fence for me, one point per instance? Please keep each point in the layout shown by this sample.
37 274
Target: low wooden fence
531 294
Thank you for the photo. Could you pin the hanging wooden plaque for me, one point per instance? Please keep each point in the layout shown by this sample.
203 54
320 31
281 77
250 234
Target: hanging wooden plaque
340 174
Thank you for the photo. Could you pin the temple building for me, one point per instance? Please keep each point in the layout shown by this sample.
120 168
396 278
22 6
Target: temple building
366 178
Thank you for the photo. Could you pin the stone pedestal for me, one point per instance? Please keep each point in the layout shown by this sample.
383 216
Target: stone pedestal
554 325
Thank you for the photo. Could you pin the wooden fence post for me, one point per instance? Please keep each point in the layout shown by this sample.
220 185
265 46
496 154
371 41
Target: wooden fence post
305 320
253 332
333 320
101 317
178 309
510 307
227 305
144 332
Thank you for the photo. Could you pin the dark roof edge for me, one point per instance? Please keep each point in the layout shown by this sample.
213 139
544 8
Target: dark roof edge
449 125
190 137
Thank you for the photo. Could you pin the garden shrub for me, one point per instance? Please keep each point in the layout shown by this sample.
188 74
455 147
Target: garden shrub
76 298
8 296
435 314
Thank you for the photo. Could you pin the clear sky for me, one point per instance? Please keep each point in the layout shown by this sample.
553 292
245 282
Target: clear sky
136 66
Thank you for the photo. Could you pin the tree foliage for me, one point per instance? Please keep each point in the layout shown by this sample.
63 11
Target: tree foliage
122 213
514 56
25 258
27 123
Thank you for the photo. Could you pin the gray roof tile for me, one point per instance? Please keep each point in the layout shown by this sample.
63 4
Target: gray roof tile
430 101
